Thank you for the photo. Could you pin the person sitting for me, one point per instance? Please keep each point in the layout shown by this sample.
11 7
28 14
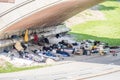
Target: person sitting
44 39
57 35
94 49
86 50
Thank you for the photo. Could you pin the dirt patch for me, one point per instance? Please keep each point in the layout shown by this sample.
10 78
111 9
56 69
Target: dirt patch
87 15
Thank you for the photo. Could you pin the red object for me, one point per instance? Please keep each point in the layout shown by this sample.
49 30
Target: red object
36 38
112 51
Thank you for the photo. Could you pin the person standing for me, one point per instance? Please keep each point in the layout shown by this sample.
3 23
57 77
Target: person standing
36 39
26 36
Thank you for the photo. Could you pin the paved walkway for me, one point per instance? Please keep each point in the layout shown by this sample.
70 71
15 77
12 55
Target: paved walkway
79 67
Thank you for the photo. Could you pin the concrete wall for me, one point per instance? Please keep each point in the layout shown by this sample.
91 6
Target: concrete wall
50 31
13 12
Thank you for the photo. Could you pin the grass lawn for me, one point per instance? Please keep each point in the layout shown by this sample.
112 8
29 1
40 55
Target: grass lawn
10 68
104 30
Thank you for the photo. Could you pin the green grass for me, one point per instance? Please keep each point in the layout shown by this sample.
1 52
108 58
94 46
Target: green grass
10 68
104 30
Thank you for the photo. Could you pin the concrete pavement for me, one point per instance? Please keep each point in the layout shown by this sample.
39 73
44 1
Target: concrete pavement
93 67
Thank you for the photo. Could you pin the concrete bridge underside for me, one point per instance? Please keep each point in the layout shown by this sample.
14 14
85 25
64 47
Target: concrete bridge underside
49 16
